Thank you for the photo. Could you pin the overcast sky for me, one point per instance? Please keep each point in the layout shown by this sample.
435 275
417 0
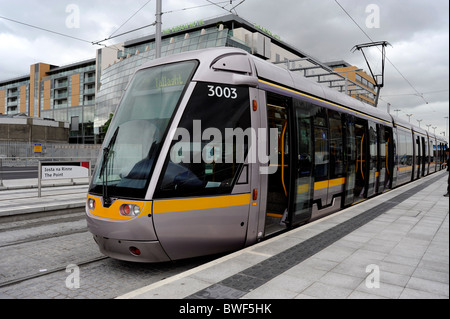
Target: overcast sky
417 69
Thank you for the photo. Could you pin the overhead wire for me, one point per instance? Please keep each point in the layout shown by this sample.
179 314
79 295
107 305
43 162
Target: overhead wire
365 33
224 7
132 16
84 40
77 38
121 34
431 92
44 29
196 7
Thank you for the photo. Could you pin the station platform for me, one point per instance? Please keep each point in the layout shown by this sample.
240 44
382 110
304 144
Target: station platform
393 246
19 197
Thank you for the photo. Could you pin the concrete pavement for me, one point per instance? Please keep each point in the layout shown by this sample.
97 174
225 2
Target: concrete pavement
394 246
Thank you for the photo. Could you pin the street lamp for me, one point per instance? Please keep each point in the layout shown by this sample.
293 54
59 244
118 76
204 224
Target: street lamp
428 125
419 121
409 117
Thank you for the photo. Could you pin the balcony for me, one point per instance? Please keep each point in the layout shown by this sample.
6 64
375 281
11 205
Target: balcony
12 102
60 104
62 95
60 83
89 91
13 93
89 78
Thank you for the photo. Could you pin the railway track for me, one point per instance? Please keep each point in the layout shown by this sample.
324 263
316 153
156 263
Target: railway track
36 252
46 272
20 236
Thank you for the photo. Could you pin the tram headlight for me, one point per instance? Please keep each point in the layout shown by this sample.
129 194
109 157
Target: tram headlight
91 203
129 210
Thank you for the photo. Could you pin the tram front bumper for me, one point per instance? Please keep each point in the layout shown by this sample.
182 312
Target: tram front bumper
124 238
129 250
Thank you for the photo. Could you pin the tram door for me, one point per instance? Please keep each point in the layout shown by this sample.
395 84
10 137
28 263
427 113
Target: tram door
350 159
383 159
432 156
373 159
417 158
385 144
424 156
303 179
279 179
290 187
361 182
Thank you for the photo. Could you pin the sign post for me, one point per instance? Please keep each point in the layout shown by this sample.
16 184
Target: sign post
62 170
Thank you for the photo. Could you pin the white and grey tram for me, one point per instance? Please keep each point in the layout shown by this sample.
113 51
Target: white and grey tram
214 150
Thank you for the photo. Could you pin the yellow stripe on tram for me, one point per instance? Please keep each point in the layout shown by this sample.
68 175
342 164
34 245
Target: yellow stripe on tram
304 188
189 204
329 183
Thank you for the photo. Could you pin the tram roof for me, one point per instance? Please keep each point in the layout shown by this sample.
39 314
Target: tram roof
322 92
293 82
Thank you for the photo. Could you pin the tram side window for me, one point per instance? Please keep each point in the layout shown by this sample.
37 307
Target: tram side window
402 150
405 152
373 148
304 137
383 137
321 144
208 154
410 147
432 152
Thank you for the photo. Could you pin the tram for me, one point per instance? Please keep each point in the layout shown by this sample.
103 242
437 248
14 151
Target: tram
214 150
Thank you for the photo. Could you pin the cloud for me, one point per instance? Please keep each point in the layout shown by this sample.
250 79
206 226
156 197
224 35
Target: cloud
12 49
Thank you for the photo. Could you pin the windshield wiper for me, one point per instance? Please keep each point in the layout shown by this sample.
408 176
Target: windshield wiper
104 169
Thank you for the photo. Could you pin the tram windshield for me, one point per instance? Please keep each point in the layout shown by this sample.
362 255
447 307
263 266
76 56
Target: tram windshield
136 132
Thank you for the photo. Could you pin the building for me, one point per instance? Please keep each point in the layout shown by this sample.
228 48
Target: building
67 94
21 95
14 96
84 94
366 94
62 94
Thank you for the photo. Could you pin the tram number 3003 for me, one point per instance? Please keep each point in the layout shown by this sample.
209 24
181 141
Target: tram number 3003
218 91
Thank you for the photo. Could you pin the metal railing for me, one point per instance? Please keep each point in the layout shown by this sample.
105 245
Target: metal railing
23 152
13 165
28 155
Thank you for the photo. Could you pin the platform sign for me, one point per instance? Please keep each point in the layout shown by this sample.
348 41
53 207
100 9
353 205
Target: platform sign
37 148
62 170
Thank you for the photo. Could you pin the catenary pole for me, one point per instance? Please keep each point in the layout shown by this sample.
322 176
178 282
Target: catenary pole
158 29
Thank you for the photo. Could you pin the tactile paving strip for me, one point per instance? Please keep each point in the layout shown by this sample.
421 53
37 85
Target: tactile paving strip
240 284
